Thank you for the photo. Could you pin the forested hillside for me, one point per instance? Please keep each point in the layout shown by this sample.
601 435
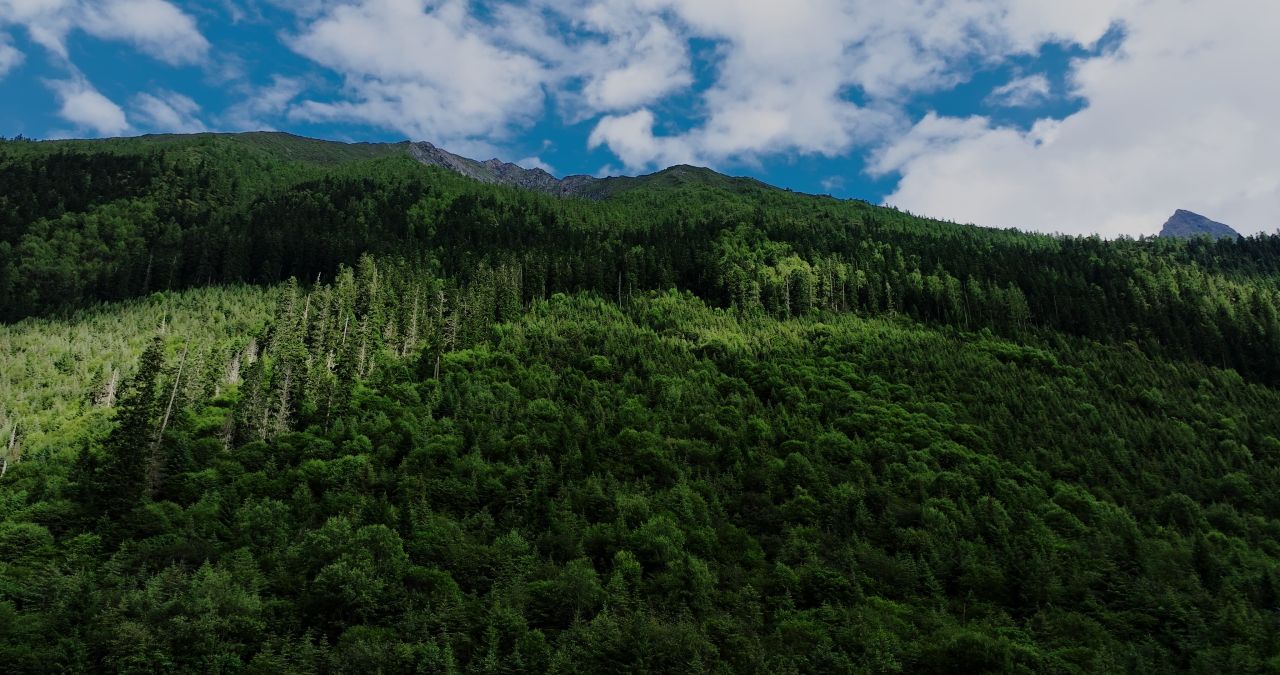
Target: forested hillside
276 405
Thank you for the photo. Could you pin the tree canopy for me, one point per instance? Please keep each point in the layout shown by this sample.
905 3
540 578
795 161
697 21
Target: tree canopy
273 405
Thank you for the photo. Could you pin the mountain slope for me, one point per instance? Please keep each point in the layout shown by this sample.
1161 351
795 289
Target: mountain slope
396 419
1185 225
577 485
82 222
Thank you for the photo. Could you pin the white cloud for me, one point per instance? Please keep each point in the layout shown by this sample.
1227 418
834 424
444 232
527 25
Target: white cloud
10 57
259 104
155 27
429 72
656 63
784 71
1021 92
234 11
47 21
599 55
631 138
169 112
89 110
536 162
1179 117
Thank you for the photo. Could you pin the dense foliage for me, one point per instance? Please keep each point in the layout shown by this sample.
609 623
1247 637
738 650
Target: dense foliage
696 426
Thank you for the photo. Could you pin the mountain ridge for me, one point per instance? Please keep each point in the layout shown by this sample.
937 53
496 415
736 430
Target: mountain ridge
498 172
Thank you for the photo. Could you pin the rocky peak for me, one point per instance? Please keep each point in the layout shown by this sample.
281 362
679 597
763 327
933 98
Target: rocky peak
498 172
1185 224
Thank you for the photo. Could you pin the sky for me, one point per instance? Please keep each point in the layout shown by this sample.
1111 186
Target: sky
1082 117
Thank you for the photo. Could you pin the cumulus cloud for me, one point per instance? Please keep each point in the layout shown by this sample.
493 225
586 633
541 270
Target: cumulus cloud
782 74
832 183
631 138
258 105
169 112
155 27
1174 113
654 64
536 162
10 57
1021 92
1175 118
82 105
425 71
785 71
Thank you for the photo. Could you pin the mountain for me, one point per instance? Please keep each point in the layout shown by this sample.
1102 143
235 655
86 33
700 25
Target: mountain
281 146
274 405
1185 225
498 172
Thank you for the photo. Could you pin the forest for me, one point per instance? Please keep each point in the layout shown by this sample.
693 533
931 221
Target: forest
274 405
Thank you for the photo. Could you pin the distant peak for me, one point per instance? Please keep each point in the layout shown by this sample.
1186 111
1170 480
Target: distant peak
497 171
1186 224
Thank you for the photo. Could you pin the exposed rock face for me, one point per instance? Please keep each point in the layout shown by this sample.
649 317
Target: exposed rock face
1185 224
588 187
504 173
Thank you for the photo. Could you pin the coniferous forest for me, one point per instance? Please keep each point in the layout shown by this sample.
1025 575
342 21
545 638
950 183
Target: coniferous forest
273 405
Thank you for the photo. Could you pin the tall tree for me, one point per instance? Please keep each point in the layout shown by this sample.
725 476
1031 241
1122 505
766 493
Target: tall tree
121 478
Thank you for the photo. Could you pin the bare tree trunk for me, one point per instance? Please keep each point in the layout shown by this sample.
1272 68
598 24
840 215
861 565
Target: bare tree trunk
8 451
282 415
173 395
228 431
172 269
146 279
411 337
787 296
233 370
153 472
364 344
328 406
107 398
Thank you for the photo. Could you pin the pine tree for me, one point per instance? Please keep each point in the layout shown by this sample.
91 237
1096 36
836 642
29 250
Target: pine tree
121 478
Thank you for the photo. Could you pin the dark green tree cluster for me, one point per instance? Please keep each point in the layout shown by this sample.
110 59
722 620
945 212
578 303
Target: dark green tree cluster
90 223
700 425
657 487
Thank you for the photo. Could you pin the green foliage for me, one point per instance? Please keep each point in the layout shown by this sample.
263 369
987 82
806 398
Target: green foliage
698 426
668 486
91 221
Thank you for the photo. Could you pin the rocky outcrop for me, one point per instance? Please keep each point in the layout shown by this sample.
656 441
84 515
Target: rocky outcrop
498 172
1185 224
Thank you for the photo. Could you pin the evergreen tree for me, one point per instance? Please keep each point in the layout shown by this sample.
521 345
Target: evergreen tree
121 477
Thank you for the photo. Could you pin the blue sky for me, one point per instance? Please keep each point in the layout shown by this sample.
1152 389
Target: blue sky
1099 116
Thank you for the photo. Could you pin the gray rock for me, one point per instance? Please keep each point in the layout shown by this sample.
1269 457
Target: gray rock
496 171
1185 225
